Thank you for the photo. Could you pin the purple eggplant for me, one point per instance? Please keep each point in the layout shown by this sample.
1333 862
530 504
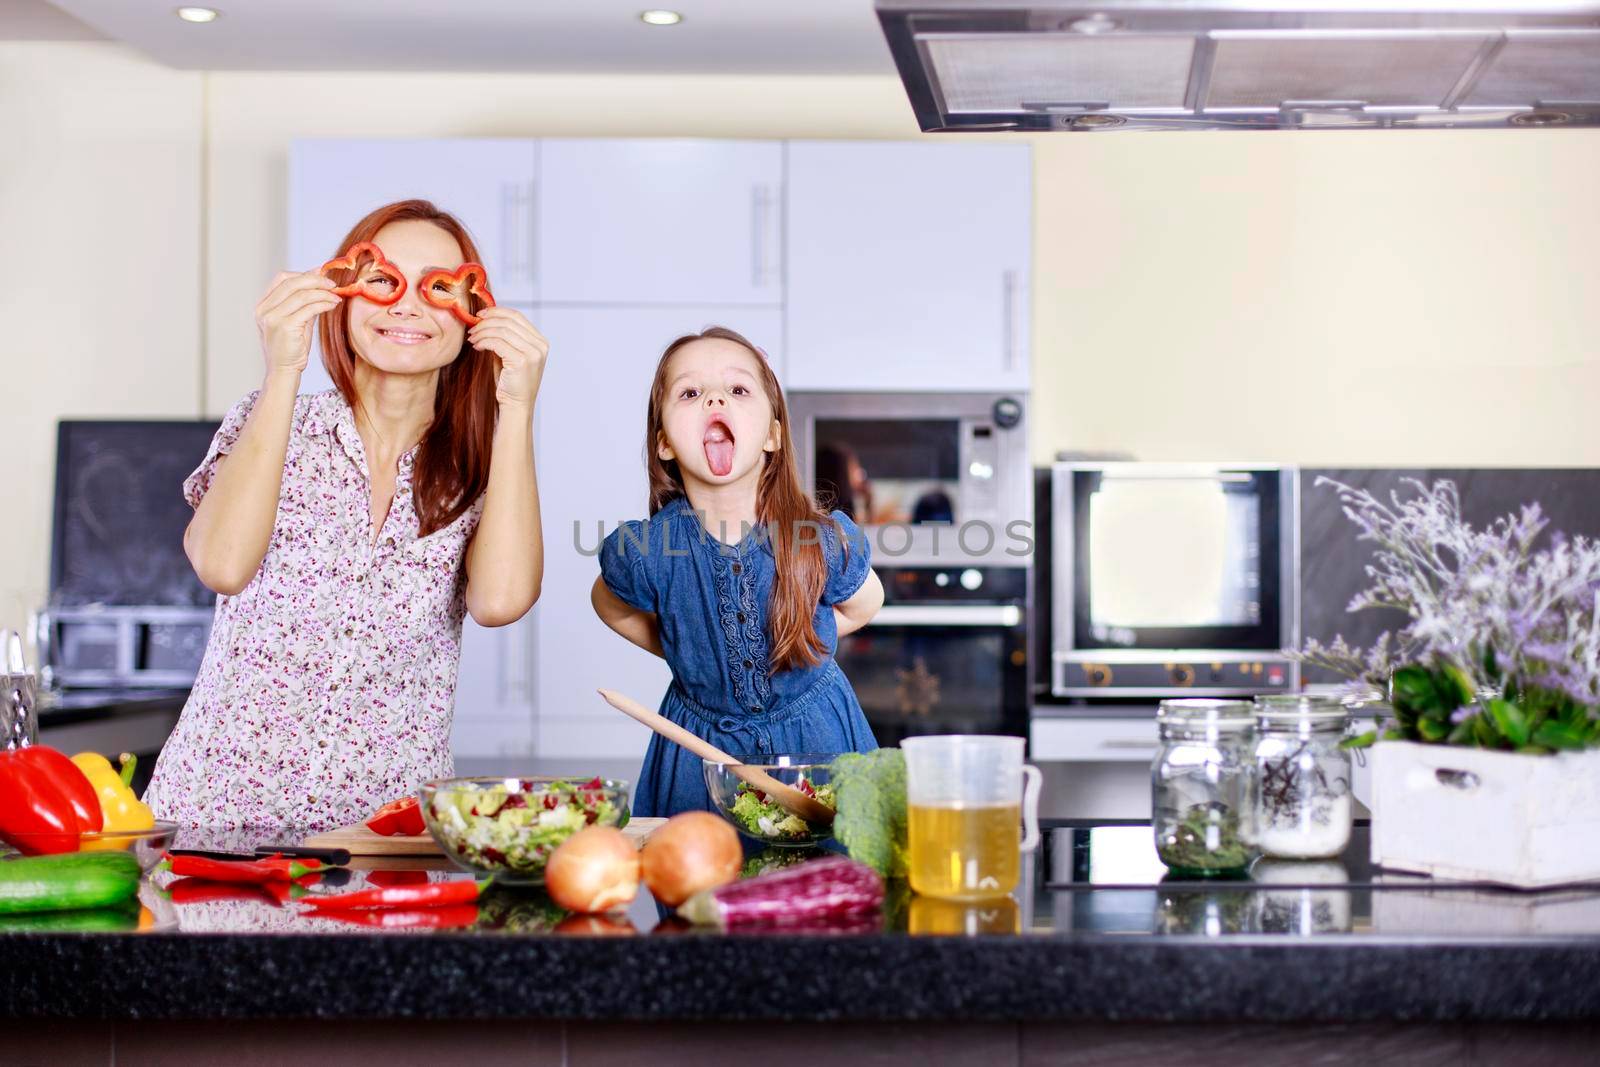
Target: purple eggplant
806 895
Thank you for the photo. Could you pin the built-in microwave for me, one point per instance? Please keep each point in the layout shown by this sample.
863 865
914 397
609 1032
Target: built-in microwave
1172 579
934 479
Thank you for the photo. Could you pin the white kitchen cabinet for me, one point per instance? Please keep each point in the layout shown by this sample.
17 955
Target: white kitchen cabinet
487 184
660 221
590 425
908 265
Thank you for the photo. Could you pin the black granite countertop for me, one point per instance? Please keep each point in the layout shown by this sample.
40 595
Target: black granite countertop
1095 933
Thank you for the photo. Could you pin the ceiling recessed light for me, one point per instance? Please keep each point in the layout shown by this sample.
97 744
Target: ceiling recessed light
660 17
197 14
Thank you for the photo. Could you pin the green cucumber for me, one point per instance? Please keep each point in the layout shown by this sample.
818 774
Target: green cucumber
119 918
67 882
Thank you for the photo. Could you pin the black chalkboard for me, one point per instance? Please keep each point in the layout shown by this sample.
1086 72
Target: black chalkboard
120 513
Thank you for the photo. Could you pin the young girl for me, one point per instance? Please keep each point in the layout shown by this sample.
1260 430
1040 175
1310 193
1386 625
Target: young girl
736 579
348 532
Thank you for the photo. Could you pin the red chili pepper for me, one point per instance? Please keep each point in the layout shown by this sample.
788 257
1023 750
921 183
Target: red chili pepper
202 891
452 916
454 291
257 872
434 894
45 801
390 879
403 816
369 281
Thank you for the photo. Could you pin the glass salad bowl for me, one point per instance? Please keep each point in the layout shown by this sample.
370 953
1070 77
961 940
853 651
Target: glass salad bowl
507 827
762 818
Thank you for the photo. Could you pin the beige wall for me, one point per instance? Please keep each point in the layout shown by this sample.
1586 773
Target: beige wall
1321 298
99 199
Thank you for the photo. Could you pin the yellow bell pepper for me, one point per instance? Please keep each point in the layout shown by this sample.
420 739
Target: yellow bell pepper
122 810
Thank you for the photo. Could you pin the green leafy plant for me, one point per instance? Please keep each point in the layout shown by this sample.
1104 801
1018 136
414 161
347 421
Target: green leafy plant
1438 705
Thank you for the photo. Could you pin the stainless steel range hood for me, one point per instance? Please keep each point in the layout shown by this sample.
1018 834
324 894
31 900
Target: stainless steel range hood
1183 65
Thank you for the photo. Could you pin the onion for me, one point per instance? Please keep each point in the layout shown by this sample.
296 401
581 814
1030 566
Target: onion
691 852
594 870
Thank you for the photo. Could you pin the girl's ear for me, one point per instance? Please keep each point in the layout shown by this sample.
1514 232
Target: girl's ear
664 451
774 437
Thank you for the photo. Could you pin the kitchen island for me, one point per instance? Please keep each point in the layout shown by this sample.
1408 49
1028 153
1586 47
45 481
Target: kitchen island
1095 958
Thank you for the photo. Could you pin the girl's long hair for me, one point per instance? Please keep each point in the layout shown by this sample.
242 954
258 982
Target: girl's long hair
452 464
783 509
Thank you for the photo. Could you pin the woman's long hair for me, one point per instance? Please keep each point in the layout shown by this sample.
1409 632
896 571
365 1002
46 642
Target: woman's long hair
452 464
782 508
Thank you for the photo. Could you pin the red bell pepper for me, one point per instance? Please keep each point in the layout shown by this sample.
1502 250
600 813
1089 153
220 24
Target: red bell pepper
457 291
380 282
45 801
432 895
403 816
257 872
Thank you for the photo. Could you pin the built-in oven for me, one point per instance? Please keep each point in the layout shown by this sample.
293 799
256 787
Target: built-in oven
934 479
941 486
1173 580
947 653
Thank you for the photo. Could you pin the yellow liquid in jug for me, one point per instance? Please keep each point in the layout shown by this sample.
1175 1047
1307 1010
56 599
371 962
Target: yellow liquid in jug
965 853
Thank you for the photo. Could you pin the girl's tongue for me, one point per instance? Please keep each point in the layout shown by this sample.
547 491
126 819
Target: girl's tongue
719 449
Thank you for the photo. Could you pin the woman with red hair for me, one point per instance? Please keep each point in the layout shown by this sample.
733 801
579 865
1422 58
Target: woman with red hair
348 532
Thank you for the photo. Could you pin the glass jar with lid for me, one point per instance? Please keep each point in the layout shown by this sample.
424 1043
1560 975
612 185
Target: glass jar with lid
1301 804
1199 786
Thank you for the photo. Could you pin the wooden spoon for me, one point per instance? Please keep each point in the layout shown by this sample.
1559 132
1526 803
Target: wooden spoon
808 808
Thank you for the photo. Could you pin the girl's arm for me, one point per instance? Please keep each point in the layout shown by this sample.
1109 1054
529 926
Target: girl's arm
851 615
228 537
638 627
505 559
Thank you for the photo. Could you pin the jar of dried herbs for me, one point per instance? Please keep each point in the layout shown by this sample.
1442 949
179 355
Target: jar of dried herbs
1300 789
1199 786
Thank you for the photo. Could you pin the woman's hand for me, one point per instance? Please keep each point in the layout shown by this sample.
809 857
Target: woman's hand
284 317
519 352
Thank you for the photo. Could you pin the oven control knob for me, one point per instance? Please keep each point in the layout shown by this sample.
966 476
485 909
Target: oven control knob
1007 413
1098 675
1183 674
941 579
971 578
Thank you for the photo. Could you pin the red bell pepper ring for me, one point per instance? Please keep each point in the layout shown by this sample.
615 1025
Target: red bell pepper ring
245 872
45 801
432 895
448 917
456 290
380 282
403 816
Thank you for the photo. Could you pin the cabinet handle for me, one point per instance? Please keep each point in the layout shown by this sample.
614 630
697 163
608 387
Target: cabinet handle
508 225
759 221
1008 285
530 240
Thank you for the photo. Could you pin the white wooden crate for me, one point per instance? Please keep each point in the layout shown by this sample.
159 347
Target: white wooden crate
1465 813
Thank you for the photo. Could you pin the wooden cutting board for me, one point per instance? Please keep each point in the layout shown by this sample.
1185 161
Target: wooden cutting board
363 842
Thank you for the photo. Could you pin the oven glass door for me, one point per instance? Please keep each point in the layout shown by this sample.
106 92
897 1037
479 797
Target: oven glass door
1176 561
881 471
938 679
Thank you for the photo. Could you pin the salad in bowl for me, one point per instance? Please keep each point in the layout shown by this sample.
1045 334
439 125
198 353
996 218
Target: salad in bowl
759 816
508 827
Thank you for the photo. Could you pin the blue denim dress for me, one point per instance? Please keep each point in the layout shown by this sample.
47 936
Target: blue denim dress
710 600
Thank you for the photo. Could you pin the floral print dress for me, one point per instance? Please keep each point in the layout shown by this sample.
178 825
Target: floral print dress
328 684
